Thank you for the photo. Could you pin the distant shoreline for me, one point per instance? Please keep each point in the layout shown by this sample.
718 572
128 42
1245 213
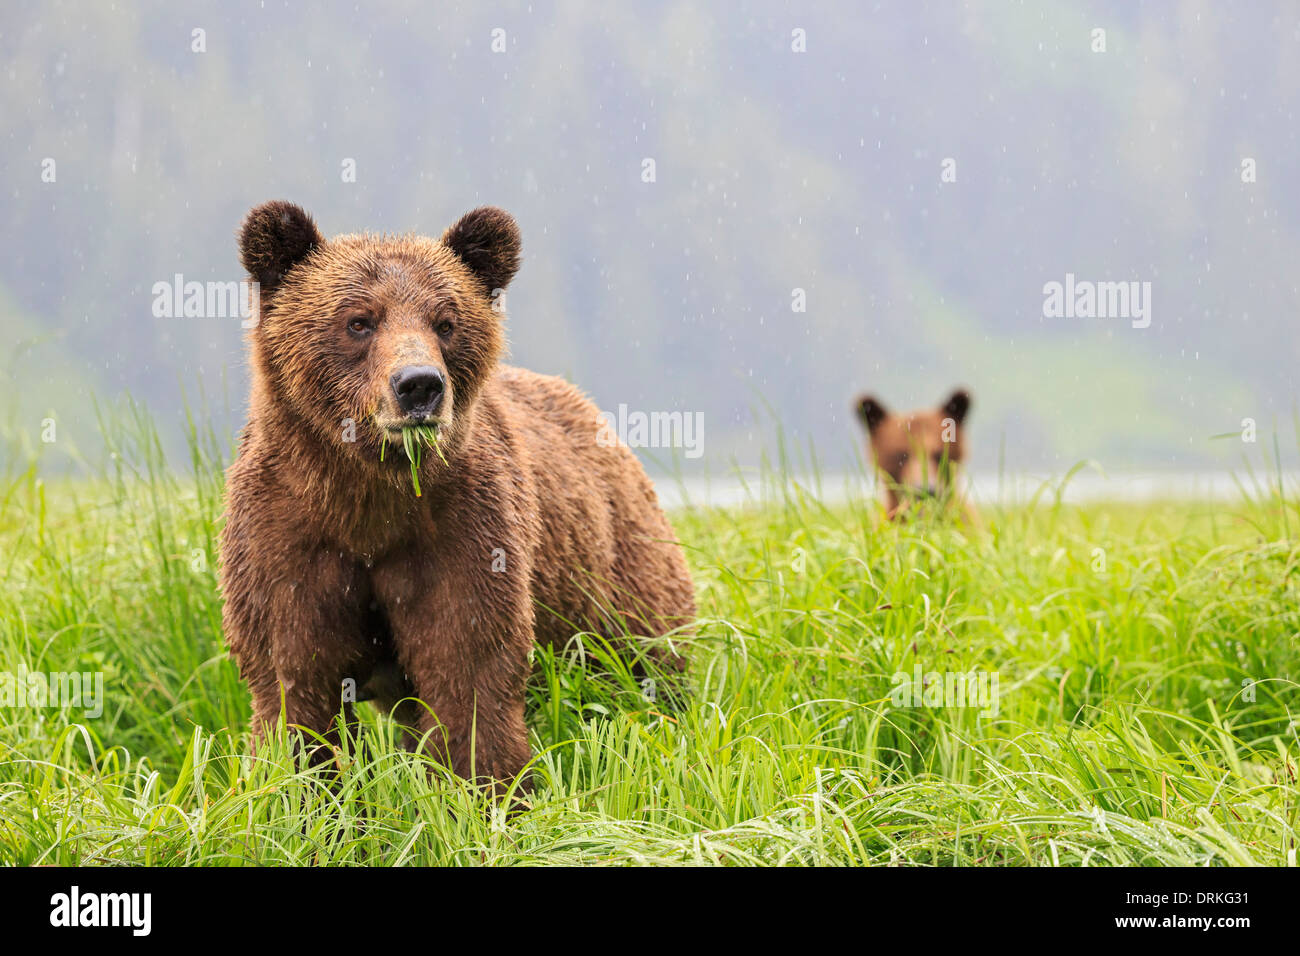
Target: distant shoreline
990 488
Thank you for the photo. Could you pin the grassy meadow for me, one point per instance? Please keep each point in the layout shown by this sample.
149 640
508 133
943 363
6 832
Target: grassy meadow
1146 659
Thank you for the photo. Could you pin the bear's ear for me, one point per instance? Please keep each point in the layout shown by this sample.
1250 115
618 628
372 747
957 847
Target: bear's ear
957 405
486 240
274 238
871 412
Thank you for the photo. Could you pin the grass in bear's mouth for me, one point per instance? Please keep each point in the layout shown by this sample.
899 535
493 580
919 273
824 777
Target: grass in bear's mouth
415 438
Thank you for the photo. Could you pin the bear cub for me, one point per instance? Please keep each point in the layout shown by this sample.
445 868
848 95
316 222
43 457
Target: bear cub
918 455
338 573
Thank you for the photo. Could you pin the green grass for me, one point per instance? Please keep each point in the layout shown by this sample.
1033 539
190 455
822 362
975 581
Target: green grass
1124 734
415 439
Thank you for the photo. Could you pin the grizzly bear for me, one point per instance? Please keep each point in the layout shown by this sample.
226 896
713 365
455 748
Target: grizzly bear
346 563
918 455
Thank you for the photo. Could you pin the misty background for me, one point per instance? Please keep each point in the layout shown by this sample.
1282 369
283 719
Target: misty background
775 170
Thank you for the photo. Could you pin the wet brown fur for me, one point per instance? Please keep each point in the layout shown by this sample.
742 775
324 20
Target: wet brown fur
333 569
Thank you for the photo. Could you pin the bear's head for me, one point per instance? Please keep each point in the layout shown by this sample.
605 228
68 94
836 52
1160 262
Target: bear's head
359 337
917 453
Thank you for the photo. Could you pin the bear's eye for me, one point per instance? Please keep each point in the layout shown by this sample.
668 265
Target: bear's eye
443 328
360 325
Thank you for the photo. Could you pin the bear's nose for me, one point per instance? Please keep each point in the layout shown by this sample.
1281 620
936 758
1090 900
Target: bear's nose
418 389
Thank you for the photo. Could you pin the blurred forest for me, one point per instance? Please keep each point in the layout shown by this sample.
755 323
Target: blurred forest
776 169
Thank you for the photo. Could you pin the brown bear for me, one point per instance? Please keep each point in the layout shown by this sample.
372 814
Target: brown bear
918 455
525 526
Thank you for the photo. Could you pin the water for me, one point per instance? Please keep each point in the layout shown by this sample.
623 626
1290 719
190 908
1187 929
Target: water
1083 487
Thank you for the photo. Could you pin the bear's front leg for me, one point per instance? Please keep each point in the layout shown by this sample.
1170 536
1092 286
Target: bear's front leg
462 634
296 618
